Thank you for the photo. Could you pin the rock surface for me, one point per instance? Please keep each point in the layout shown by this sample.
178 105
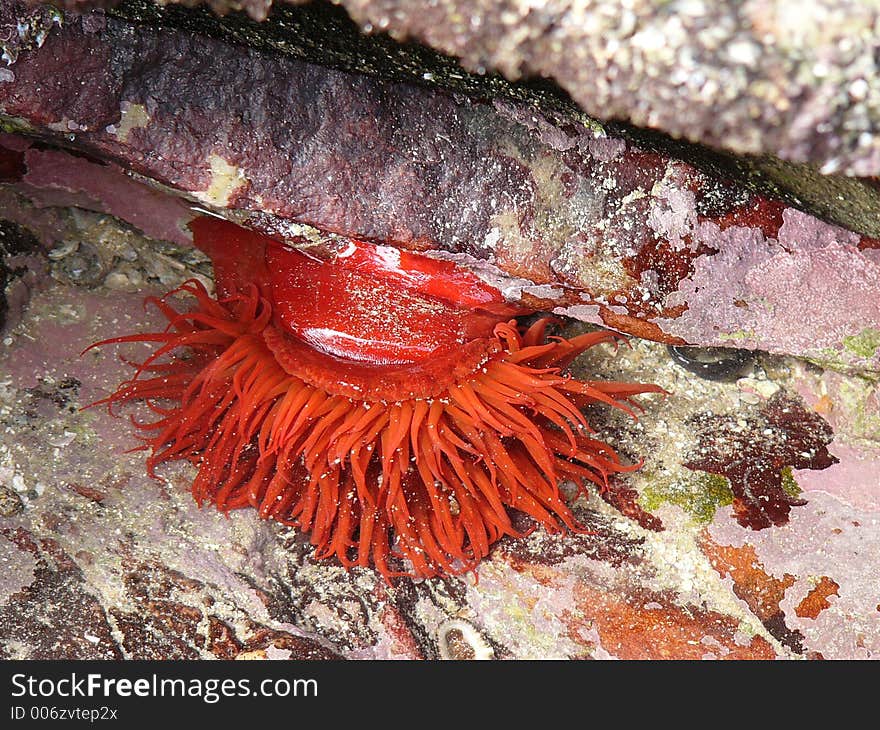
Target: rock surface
751 530
765 76
559 215
103 562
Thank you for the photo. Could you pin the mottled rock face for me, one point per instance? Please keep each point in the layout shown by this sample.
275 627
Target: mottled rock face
102 561
784 78
749 530
257 9
754 454
758 77
24 27
559 215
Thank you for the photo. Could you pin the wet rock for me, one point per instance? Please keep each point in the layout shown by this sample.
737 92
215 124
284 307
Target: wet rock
10 502
25 28
753 78
674 567
89 569
17 247
82 248
559 215
52 178
78 264
757 451
54 617
762 592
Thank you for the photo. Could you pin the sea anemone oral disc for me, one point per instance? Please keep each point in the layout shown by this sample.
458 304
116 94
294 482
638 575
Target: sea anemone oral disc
383 402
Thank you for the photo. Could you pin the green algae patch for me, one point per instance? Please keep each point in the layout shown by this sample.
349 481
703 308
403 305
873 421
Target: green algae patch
865 344
858 399
699 494
789 484
854 353
738 336
14 125
845 360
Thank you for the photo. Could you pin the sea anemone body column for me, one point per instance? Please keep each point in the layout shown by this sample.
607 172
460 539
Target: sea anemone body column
383 402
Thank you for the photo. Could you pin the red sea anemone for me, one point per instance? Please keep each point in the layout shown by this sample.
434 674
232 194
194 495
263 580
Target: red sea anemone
381 401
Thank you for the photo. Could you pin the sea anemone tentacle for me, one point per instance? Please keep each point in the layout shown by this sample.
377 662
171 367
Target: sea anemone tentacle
386 403
429 479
